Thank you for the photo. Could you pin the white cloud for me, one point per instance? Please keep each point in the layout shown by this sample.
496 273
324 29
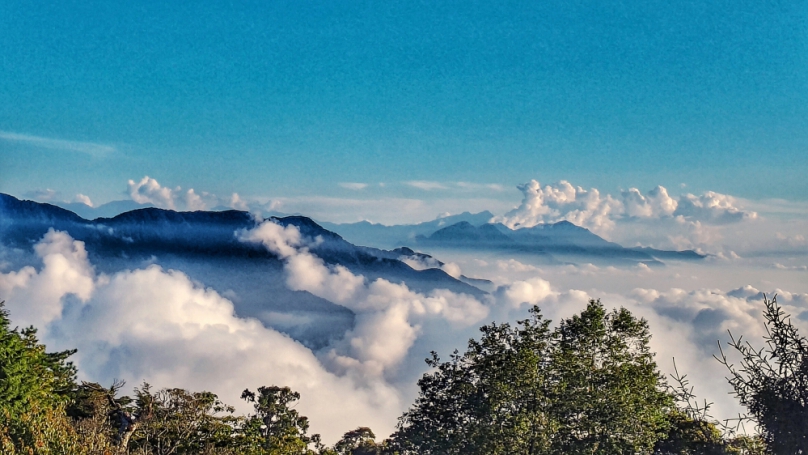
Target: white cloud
160 326
83 199
561 201
353 185
512 265
780 266
651 219
389 316
530 292
237 203
656 203
149 191
712 207
35 297
420 262
194 201
90 148
452 269
480 186
426 185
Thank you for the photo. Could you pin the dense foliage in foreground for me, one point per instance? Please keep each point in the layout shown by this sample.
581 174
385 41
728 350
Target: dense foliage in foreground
588 386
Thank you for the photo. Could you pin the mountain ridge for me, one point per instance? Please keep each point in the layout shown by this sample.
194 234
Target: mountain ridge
204 246
560 238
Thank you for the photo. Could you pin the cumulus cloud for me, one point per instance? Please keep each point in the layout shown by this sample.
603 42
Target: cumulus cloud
654 204
531 292
712 207
791 240
654 218
194 201
389 316
159 325
421 262
35 297
149 191
49 195
83 199
452 269
561 201
237 203
588 208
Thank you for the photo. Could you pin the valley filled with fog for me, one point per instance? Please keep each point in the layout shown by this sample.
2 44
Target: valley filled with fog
223 300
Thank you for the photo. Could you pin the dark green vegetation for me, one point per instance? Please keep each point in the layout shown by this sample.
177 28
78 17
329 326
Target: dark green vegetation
588 386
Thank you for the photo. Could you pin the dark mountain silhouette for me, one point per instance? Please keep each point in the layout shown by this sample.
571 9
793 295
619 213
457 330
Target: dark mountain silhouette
204 245
561 238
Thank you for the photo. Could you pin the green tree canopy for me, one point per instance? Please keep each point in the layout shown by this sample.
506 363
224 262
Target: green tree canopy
28 375
35 386
281 428
589 386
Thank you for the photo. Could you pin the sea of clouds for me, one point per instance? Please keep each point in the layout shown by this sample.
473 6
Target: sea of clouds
157 324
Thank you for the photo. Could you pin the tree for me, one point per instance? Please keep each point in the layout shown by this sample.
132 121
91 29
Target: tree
361 441
28 375
772 382
176 421
608 396
689 436
276 427
491 399
35 386
692 430
589 386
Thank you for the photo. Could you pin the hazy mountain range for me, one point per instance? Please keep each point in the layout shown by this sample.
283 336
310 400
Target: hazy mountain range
562 238
204 245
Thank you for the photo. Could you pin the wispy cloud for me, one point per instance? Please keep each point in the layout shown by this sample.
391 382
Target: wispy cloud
426 185
353 185
90 148
480 186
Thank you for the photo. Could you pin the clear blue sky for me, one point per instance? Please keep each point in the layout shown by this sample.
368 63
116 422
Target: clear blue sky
293 97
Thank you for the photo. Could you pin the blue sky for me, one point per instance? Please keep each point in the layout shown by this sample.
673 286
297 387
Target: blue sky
292 98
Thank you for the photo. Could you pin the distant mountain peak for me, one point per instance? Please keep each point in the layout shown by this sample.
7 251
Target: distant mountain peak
562 237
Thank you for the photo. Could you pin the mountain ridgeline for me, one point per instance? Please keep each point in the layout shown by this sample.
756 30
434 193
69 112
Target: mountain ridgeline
561 238
204 245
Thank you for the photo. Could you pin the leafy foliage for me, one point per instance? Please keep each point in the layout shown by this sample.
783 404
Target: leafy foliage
772 382
175 421
491 399
34 388
589 386
29 376
361 441
608 395
276 427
